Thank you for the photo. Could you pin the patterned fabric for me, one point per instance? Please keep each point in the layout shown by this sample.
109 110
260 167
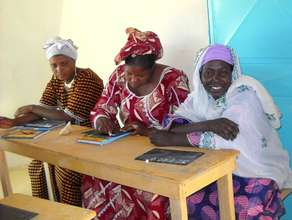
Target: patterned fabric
194 138
254 199
140 43
114 201
77 101
37 175
150 109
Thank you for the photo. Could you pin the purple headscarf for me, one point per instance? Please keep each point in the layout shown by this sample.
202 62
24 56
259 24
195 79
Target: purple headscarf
218 52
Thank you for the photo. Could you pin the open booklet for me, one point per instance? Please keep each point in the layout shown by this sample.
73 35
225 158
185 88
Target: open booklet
44 124
95 137
169 156
11 213
23 133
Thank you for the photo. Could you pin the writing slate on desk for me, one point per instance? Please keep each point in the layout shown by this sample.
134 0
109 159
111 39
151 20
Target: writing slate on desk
11 213
177 157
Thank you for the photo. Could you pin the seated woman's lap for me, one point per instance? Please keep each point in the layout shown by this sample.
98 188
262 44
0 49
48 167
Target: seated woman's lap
111 200
254 198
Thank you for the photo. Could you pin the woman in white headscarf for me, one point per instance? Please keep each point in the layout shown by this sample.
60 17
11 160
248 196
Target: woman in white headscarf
227 110
69 96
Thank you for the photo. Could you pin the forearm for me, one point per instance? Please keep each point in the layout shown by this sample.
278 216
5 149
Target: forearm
181 140
193 127
29 117
166 138
53 114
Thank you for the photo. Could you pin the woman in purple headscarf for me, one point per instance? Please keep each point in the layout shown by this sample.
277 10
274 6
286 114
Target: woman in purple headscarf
227 110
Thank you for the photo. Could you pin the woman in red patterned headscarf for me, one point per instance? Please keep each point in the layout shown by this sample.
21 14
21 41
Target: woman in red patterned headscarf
144 91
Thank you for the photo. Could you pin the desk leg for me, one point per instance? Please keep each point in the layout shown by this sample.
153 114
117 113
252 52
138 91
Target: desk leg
226 197
5 181
178 209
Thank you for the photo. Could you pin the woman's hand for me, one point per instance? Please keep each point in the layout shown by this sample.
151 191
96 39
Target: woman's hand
223 127
6 122
105 125
24 110
136 128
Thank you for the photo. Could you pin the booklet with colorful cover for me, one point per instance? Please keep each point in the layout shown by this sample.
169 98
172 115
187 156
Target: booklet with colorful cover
96 137
178 157
11 213
23 133
44 124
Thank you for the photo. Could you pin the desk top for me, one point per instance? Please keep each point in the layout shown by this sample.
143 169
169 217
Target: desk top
115 162
48 210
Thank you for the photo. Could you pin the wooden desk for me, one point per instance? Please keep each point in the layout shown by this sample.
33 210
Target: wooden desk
47 210
115 162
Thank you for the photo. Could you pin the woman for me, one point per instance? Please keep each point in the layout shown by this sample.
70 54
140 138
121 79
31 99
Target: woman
144 92
229 111
69 96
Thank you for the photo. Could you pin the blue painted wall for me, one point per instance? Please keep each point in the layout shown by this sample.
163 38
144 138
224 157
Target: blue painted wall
261 33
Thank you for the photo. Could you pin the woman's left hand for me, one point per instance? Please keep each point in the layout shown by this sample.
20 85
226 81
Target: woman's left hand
6 122
24 110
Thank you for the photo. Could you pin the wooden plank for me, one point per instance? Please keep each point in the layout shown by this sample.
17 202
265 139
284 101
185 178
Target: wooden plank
205 178
178 208
226 197
4 174
46 209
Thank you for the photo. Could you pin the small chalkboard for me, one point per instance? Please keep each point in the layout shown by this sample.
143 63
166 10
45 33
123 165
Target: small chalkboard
169 156
11 213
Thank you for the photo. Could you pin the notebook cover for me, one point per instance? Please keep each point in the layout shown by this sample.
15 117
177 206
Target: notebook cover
95 137
45 124
26 133
169 156
11 213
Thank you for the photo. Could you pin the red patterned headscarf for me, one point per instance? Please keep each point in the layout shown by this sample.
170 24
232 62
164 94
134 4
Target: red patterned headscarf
140 43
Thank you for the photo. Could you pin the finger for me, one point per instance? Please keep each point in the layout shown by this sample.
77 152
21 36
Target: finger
234 130
108 127
229 131
222 134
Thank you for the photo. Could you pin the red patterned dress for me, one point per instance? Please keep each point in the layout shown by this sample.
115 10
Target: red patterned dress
113 201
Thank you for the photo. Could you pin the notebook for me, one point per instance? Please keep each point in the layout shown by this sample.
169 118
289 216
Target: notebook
11 213
95 137
23 133
169 156
44 124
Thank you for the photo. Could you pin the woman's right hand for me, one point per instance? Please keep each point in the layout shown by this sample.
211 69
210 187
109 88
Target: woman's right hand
136 128
223 127
104 125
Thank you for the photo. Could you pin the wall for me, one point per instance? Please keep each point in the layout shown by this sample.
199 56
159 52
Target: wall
249 26
24 70
99 29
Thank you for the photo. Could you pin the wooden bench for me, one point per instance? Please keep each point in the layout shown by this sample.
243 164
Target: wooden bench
46 209
285 193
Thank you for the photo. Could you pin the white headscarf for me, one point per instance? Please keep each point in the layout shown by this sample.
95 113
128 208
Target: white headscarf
59 46
200 106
